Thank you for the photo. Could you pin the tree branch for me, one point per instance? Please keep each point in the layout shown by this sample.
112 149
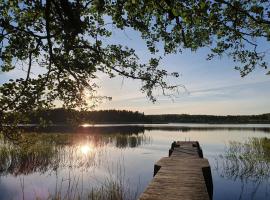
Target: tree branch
260 20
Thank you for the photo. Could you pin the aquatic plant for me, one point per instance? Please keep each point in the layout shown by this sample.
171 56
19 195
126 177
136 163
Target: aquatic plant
43 152
115 186
249 160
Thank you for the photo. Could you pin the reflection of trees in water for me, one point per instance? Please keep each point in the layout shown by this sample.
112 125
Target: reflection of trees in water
44 152
132 141
248 162
184 128
139 128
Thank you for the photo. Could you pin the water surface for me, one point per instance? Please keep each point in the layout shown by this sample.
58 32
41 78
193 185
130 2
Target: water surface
71 165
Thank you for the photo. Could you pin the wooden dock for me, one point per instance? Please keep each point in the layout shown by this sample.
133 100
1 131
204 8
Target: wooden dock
184 175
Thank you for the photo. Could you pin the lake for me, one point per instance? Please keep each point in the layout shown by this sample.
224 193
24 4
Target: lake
117 161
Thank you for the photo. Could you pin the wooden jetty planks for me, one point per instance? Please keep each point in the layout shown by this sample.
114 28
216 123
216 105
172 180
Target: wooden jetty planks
185 175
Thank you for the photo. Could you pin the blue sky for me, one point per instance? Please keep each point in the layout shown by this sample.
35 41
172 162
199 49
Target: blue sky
214 87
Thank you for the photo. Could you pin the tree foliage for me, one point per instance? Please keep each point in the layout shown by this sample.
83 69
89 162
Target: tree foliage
69 116
66 40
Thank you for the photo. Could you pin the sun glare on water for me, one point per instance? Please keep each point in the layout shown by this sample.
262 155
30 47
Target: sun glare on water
85 149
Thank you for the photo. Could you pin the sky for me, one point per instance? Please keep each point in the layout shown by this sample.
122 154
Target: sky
212 87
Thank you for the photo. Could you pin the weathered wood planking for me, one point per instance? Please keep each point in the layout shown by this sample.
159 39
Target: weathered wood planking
184 175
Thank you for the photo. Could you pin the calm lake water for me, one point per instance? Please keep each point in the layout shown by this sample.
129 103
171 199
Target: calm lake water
95 160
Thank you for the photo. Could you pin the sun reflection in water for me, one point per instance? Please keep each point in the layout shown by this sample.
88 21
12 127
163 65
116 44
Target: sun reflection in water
86 149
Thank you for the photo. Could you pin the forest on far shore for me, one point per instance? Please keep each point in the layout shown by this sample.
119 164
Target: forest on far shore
69 116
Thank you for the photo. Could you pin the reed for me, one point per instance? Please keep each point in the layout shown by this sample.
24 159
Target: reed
115 186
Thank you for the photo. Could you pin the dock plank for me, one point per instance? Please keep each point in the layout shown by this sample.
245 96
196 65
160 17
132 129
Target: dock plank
182 176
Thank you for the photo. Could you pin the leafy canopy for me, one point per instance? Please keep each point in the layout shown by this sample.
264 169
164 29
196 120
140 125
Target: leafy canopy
66 40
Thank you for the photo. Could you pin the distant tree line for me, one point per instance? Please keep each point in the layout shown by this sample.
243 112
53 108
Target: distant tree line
211 119
69 116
